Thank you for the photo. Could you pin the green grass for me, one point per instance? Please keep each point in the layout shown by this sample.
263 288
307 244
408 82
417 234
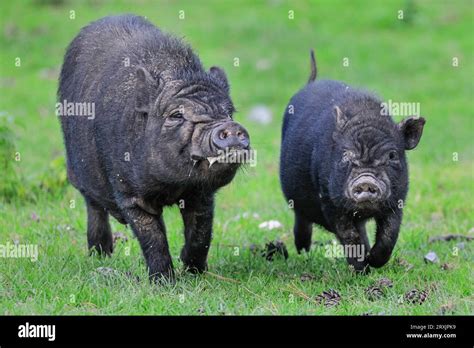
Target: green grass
401 61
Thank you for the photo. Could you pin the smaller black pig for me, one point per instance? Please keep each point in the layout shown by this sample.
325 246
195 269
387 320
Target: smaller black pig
342 163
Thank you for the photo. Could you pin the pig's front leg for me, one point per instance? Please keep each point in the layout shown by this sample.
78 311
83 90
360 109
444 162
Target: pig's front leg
302 231
385 239
151 233
354 244
197 216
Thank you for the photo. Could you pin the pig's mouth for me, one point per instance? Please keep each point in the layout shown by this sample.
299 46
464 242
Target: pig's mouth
223 147
227 156
226 142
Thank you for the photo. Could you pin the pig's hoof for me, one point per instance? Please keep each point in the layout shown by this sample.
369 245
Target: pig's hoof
196 268
302 249
193 264
360 267
162 278
104 249
302 246
378 262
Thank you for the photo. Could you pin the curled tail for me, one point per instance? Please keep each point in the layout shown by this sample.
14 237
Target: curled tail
314 70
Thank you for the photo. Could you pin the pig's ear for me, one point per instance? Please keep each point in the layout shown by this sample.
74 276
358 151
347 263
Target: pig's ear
411 129
143 87
341 118
220 75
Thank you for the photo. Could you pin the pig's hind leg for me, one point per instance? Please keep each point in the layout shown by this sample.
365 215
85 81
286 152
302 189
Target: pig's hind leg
99 236
302 230
197 217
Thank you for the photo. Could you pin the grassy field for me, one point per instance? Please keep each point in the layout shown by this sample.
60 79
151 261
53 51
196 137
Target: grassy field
403 60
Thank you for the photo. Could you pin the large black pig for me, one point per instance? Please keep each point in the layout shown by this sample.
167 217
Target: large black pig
342 163
159 122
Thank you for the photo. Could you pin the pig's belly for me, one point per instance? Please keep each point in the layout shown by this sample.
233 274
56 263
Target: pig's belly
87 175
311 210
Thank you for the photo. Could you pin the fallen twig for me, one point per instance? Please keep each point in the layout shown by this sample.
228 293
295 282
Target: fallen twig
230 280
449 237
293 289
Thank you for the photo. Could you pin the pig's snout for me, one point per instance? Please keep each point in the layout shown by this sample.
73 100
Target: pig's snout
366 188
231 135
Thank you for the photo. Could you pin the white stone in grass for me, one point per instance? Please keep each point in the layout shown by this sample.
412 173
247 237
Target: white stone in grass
263 64
431 257
107 271
270 225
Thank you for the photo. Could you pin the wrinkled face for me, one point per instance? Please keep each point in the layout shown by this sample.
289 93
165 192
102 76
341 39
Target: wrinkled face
370 170
192 134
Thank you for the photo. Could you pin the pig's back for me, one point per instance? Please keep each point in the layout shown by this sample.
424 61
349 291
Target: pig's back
311 105
99 68
312 117
91 65
100 54
310 126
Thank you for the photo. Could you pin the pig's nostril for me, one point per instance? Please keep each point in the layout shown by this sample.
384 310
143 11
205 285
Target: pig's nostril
224 134
365 191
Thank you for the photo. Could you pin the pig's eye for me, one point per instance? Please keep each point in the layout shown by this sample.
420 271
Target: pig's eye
393 155
176 115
